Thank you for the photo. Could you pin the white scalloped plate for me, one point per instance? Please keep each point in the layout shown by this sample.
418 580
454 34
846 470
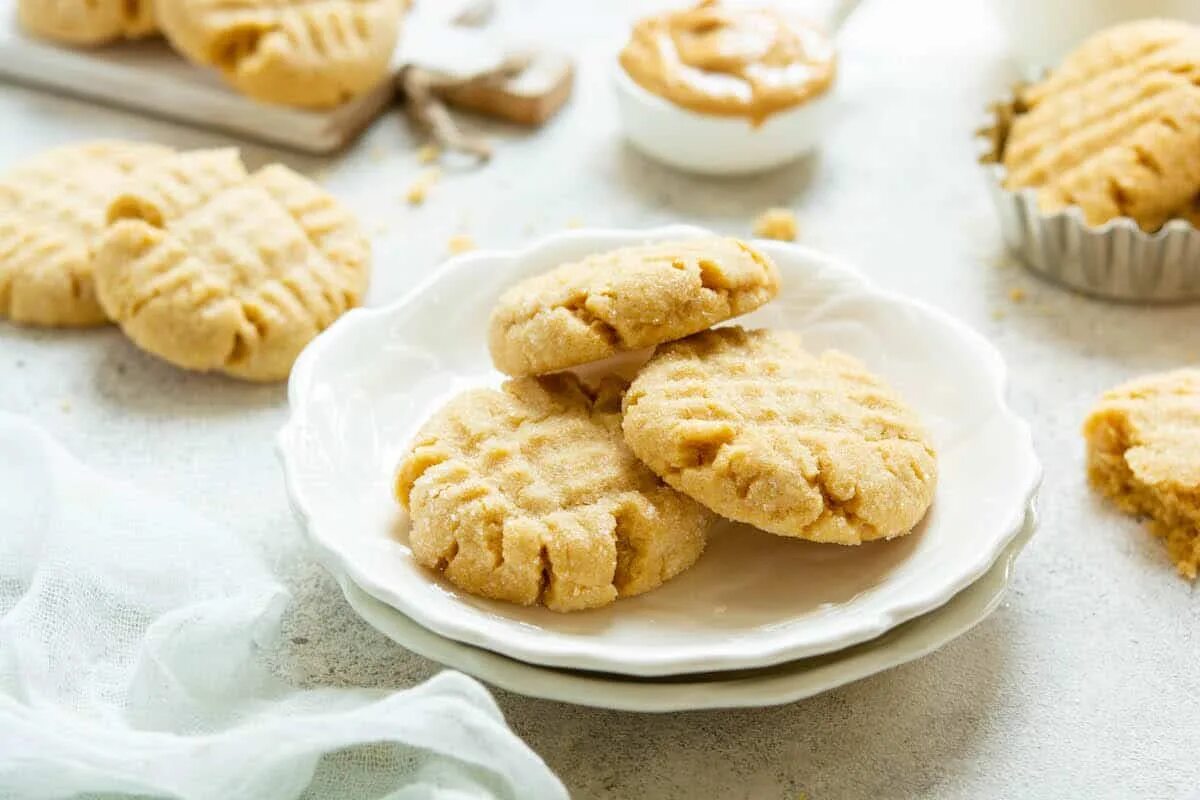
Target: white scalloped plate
361 390
769 686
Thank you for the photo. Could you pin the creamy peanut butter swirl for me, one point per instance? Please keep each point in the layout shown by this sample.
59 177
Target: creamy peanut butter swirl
730 60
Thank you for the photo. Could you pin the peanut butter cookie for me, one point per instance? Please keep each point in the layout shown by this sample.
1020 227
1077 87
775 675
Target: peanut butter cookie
51 211
1116 128
758 429
1144 453
624 300
528 494
213 268
87 22
292 52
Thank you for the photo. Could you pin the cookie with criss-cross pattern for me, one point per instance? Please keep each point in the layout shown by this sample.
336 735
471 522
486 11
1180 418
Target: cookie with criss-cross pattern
292 52
626 299
214 268
528 494
762 431
1115 129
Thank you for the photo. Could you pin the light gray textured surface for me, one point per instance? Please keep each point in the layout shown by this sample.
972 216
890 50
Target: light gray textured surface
1084 684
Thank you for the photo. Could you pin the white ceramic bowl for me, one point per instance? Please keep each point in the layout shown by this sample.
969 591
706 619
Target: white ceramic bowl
714 145
784 683
360 391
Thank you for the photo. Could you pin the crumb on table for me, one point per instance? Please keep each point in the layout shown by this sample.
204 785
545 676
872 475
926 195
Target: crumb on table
460 243
1017 294
421 186
429 154
776 223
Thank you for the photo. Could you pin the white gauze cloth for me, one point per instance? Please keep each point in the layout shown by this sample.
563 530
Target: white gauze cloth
131 635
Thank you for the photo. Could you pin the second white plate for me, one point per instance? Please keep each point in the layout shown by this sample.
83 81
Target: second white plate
361 390
783 683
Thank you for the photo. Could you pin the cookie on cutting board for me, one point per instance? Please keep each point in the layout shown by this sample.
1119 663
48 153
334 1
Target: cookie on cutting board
291 52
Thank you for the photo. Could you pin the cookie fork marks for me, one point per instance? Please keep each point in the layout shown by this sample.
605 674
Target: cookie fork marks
213 268
1114 129
295 52
761 431
528 495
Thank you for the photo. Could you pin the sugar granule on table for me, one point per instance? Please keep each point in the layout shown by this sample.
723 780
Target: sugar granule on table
421 186
429 153
776 223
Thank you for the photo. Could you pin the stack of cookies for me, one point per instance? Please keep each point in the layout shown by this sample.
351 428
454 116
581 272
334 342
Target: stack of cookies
200 261
580 481
292 52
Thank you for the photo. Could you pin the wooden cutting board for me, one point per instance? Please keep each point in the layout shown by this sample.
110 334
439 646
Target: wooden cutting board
148 76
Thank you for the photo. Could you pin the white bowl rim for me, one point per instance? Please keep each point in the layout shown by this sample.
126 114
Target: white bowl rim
650 662
770 686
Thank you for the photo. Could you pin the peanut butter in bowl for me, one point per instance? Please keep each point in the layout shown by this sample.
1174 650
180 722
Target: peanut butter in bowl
730 60
725 88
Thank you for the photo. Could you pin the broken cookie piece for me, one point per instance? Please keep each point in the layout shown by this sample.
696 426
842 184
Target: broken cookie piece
1143 441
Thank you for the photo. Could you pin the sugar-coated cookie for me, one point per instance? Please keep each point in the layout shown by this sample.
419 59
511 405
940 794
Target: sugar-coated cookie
1115 129
758 429
52 208
87 22
626 299
528 494
1143 442
291 52
213 268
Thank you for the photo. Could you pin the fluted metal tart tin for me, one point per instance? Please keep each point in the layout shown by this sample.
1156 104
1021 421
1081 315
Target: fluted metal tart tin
1117 260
